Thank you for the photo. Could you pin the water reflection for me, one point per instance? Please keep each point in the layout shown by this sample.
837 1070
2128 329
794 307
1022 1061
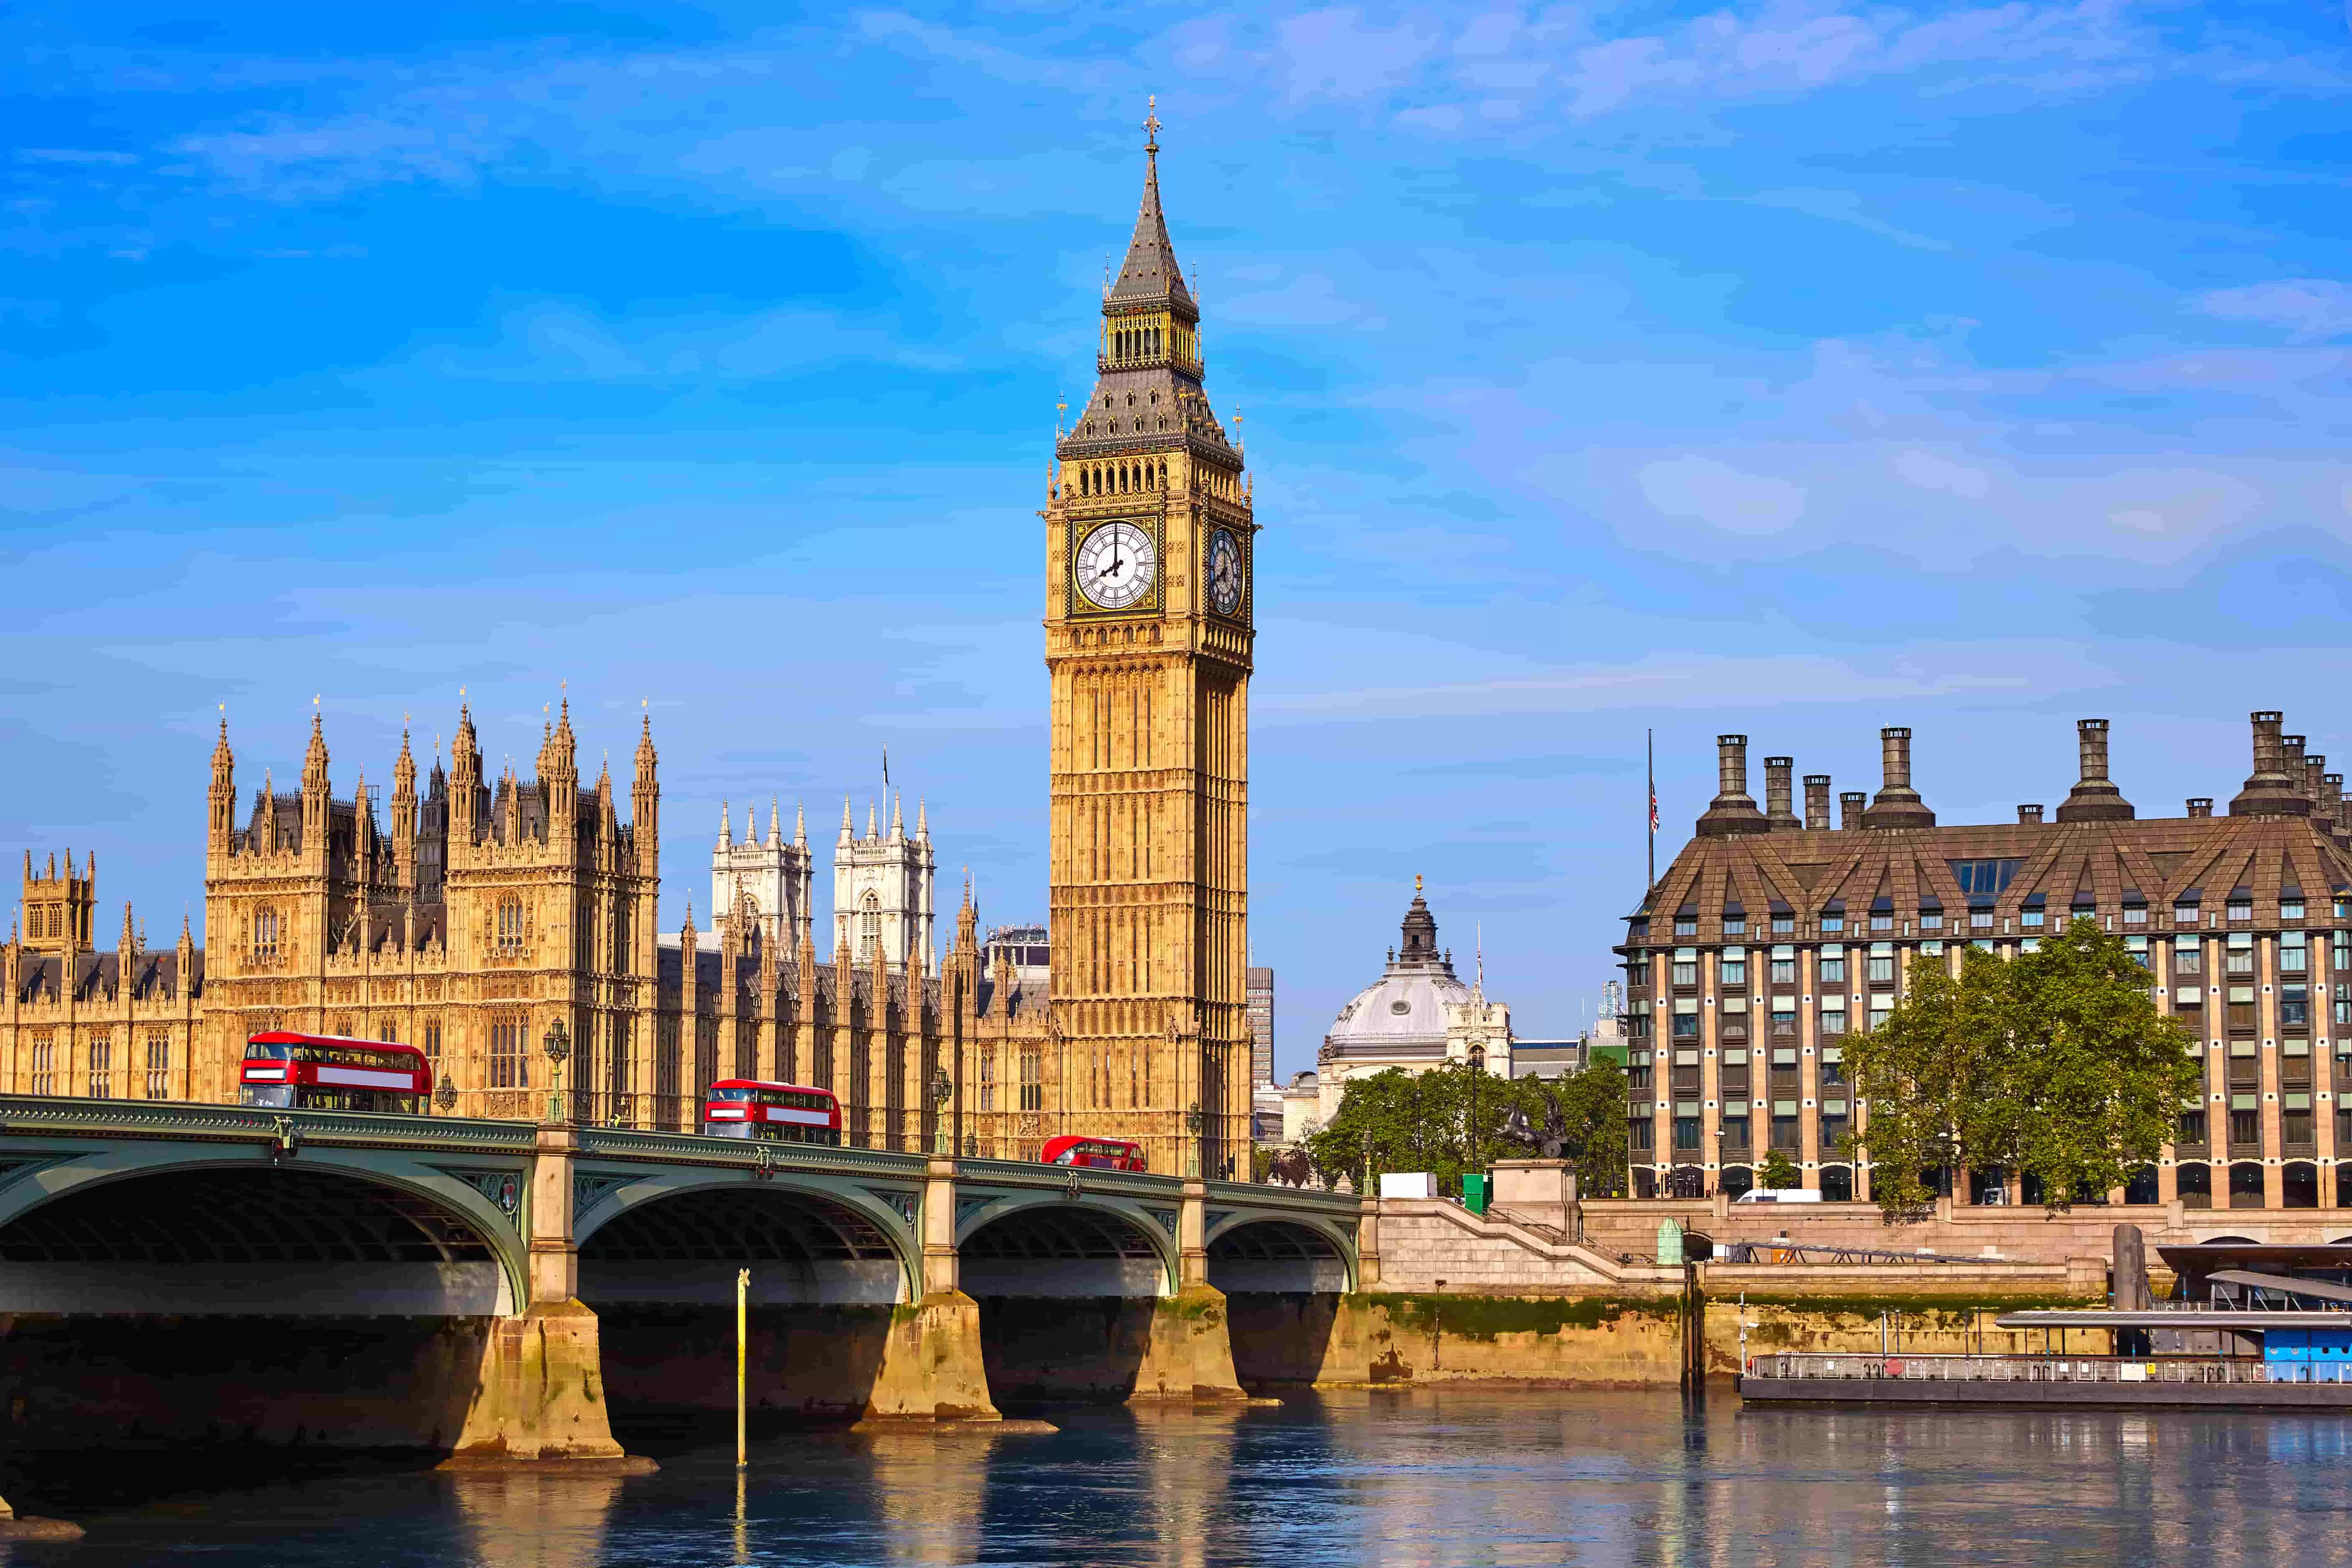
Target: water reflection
1449 1476
523 1521
928 1490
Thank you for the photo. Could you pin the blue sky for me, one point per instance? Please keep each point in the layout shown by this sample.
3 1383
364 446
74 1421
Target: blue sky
1786 369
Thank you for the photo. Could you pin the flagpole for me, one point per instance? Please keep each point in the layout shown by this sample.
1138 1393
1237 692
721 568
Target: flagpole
1650 744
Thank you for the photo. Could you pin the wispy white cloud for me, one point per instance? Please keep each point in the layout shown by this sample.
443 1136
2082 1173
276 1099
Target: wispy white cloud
721 112
552 341
2312 310
1476 683
75 155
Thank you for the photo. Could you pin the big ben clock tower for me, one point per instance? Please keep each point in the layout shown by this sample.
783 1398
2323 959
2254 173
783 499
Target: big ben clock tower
1149 605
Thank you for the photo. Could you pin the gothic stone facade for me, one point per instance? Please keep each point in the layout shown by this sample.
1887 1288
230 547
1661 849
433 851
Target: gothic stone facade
476 919
73 1020
1773 936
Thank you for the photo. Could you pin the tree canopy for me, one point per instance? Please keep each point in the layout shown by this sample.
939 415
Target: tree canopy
2054 1062
1423 1122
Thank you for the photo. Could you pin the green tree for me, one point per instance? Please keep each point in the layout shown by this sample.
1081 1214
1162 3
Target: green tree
2094 1077
1426 1122
1382 1119
2055 1062
1929 1075
1778 1174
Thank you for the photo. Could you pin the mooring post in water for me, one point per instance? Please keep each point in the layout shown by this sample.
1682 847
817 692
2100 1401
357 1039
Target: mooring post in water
742 1335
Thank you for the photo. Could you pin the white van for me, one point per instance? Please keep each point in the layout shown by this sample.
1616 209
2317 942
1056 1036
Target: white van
1782 1195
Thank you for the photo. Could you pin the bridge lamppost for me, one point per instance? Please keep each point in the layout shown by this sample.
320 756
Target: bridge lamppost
942 1131
1477 1071
1192 1126
557 1046
444 1095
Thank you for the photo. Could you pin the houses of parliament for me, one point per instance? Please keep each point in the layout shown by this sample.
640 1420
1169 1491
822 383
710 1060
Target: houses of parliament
482 910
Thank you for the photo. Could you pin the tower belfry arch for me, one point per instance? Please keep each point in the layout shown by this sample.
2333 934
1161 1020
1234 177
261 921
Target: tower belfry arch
1149 538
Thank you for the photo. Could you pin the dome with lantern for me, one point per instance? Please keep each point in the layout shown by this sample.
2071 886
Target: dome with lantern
1403 1015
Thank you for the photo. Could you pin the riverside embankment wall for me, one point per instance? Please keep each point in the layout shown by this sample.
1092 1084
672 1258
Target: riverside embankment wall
1404 1338
2022 1233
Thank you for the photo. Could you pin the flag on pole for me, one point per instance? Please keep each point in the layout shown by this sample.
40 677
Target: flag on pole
885 772
1653 811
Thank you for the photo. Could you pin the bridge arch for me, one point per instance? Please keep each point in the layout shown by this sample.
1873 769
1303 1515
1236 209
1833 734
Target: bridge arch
343 1234
833 1259
164 1294
1043 1245
1281 1254
682 1241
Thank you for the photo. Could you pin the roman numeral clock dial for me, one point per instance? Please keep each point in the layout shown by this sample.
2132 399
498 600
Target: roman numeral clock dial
1116 566
1224 573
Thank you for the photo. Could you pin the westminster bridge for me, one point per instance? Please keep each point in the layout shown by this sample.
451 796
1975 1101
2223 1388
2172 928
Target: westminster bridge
174 1271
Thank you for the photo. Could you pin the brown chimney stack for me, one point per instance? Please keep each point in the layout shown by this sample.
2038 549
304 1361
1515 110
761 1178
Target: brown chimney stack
1733 810
1778 805
2029 814
1850 809
2200 806
2094 797
2269 792
1817 803
1898 805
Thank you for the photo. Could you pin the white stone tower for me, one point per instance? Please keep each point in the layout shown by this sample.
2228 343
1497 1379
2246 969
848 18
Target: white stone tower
882 890
765 883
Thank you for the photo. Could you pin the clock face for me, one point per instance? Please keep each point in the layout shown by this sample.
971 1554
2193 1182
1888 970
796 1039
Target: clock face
1224 573
1117 566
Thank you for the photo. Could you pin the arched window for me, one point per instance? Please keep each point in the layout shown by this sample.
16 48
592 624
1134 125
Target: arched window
265 932
869 921
510 929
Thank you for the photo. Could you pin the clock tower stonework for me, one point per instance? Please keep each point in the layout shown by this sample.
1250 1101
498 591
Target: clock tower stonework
1148 610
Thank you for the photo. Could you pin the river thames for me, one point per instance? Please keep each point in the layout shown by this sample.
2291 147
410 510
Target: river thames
1457 1476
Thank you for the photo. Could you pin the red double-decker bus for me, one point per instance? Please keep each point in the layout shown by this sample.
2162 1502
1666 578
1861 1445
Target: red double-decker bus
325 1072
1103 1153
786 1112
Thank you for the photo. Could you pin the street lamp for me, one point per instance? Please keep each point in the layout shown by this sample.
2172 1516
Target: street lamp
1192 1126
1477 1071
444 1095
942 1135
557 1046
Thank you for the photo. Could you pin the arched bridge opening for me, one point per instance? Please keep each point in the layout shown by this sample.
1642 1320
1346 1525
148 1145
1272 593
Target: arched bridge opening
660 1276
1283 1284
1066 1294
246 1304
